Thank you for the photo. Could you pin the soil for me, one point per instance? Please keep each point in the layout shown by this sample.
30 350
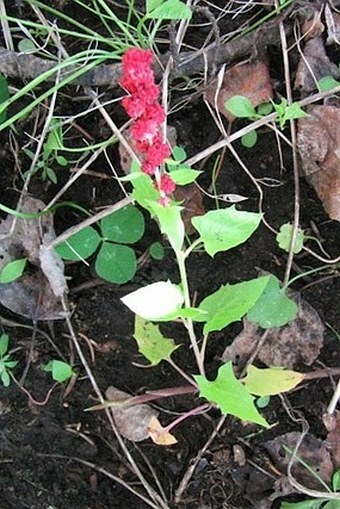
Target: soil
54 454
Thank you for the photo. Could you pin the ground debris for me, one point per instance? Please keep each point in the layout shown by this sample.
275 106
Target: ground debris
36 295
250 79
132 421
332 424
318 144
299 341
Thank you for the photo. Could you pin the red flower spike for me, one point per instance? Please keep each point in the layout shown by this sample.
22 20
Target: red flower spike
166 185
141 105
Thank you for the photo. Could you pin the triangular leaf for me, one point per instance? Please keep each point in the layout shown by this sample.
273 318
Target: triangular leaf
184 175
144 192
4 340
155 301
230 395
223 229
271 381
151 342
170 222
231 302
273 308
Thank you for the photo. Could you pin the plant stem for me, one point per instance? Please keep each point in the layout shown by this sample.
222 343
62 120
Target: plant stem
200 409
180 255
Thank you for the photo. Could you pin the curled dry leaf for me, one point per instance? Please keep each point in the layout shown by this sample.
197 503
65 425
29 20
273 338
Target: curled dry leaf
33 295
132 421
318 144
332 424
250 79
160 435
299 341
333 25
314 64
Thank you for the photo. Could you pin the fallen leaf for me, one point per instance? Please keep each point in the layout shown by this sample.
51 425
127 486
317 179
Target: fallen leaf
314 65
158 434
312 451
33 295
132 421
191 198
250 79
333 25
299 341
318 144
271 381
332 424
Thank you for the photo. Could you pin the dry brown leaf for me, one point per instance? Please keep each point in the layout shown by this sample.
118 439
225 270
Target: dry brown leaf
191 199
158 434
312 451
250 79
299 341
132 421
333 25
318 144
332 424
314 65
32 295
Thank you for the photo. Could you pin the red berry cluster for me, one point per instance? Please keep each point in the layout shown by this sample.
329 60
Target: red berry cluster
142 105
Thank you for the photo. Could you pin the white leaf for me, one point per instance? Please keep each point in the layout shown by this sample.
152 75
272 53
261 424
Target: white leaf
155 301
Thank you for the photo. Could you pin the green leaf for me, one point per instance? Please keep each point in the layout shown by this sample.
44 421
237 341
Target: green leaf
284 237
61 160
51 175
155 301
240 106
4 95
61 371
152 4
305 504
5 378
156 251
336 481
12 270
116 263
79 246
170 223
230 395
223 229
332 504
26 46
151 342
291 112
231 302
196 314
273 308
264 109
4 341
171 9
178 153
144 192
10 364
263 402
184 175
125 226
249 140
327 83
270 381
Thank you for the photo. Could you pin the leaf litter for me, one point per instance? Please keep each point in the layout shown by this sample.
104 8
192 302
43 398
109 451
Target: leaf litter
299 341
36 295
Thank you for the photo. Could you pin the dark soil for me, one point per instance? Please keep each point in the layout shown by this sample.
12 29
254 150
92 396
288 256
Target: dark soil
43 447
